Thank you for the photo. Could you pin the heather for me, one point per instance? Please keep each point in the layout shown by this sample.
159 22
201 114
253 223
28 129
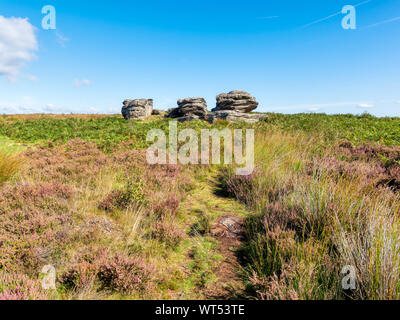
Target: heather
316 211
77 193
72 199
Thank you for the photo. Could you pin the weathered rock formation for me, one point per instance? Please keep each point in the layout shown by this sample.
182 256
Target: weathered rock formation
138 109
239 101
231 115
235 106
189 109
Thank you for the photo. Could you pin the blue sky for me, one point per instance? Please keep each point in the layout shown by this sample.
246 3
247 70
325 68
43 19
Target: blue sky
284 52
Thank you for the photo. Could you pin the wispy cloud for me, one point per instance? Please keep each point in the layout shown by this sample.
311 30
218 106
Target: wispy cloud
51 108
382 22
61 39
79 83
317 106
331 16
365 106
93 110
320 20
27 104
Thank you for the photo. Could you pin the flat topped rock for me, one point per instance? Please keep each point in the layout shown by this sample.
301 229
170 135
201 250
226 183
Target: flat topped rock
236 94
236 100
182 102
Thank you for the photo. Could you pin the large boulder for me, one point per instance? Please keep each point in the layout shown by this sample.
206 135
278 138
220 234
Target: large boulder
237 100
235 106
138 109
189 108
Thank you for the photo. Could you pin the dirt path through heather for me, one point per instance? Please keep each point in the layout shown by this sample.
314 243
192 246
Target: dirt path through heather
226 218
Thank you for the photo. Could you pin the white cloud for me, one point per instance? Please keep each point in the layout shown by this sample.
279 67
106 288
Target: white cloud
50 108
93 110
82 83
30 105
17 44
365 106
26 105
318 106
314 109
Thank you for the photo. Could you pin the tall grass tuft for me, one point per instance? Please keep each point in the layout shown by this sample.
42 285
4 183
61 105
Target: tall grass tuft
310 224
371 244
9 165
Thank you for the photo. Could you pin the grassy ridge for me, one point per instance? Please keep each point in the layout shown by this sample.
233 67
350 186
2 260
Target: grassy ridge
108 132
356 128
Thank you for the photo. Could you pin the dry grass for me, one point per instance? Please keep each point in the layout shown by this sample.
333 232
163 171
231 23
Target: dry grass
9 165
315 217
12 117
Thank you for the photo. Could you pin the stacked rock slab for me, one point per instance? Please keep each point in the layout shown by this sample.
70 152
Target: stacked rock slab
230 115
235 106
189 109
239 101
138 109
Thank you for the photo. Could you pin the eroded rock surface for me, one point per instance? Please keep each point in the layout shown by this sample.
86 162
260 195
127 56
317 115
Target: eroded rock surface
138 109
189 109
237 100
231 115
